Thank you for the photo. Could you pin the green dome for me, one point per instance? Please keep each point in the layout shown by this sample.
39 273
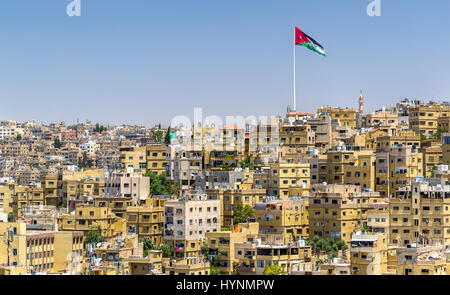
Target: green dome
171 135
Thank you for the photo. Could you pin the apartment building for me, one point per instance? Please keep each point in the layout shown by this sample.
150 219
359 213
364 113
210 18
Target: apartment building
128 185
382 118
335 267
7 192
420 213
297 135
185 165
322 128
222 244
26 196
150 265
187 266
133 157
446 148
229 198
378 217
50 185
116 251
87 218
337 211
362 172
404 138
156 158
369 253
289 179
340 161
397 167
40 251
286 217
432 156
253 257
118 205
345 116
147 220
424 119
186 222
422 260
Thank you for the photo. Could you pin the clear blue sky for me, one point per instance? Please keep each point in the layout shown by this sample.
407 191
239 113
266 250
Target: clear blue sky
145 61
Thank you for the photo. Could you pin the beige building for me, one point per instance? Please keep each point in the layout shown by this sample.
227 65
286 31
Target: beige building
338 211
87 218
147 220
187 266
222 244
424 119
421 260
41 251
128 185
369 253
289 179
286 217
420 213
184 166
187 221
255 256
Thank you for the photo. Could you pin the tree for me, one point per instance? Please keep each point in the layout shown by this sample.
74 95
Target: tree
158 135
213 271
274 270
148 245
94 236
438 134
156 186
100 128
167 137
166 251
242 213
366 229
160 185
19 137
329 246
205 250
83 162
57 143
247 163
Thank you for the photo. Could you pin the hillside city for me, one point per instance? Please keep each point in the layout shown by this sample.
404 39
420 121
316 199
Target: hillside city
338 192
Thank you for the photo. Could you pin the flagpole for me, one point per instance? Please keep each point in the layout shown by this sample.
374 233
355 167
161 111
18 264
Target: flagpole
295 94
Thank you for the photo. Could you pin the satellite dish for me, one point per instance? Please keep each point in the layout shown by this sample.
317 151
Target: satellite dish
98 245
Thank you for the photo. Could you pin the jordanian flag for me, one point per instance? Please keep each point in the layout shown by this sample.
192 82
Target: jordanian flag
304 40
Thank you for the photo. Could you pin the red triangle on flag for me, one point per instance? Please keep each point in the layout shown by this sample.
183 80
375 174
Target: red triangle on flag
300 38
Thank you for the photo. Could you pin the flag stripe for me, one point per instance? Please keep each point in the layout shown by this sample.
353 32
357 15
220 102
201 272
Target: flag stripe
314 41
311 47
302 39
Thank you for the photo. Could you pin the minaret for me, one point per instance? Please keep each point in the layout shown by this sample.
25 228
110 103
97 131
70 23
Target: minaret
361 104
